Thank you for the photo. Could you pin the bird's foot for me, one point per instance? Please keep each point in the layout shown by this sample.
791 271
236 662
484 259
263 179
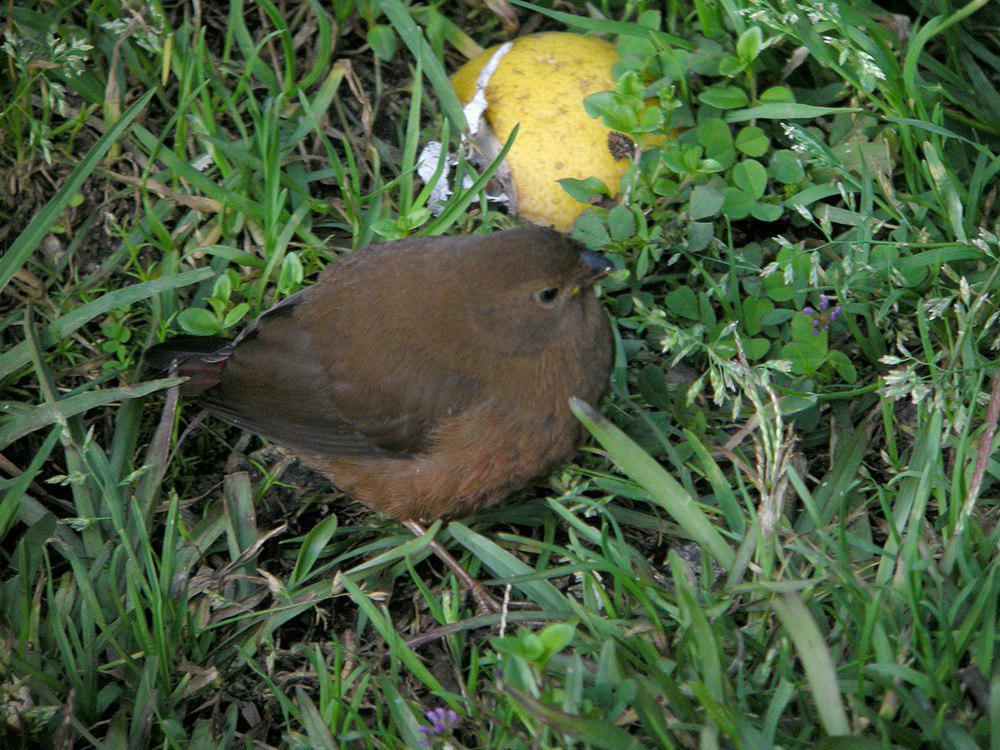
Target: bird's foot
488 604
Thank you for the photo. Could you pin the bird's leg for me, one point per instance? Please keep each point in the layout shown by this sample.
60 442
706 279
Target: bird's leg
487 603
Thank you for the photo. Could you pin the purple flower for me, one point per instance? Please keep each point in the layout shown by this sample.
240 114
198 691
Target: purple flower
824 316
441 720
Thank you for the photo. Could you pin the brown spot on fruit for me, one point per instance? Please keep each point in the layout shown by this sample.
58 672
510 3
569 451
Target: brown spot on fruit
605 201
620 146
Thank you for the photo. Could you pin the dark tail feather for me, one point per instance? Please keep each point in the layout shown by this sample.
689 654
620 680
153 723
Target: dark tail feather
200 359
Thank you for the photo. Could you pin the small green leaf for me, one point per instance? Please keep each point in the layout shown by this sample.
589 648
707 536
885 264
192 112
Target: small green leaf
222 288
750 177
754 311
616 113
290 277
704 202
630 85
736 204
382 39
590 230
806 360
777 317
730 66
235 315
724 97
583 191
748 45
786 168
803 331
752 141
651 119
715 137
756 348
683 302
554 638
198 321
777 95
621 223
766 211
785 111
843 365
699 235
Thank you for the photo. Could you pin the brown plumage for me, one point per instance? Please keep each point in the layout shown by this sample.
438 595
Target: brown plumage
425 377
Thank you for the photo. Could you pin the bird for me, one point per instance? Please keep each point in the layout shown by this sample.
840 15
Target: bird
426 377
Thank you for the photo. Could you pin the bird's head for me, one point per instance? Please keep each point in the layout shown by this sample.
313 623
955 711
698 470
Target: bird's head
529 288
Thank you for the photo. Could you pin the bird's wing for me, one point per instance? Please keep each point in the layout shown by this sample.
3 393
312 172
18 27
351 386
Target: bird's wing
272 384
395 359
334 390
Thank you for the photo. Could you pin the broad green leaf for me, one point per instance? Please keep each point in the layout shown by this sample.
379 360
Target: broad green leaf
724 97
583 191
766 211
748 44
382 39
621 223
754 310
716 138
198 321
777 95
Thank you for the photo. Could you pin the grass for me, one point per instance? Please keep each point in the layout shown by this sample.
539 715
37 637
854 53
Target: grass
784 531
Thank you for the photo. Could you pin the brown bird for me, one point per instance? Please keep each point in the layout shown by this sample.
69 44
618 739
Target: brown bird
425 377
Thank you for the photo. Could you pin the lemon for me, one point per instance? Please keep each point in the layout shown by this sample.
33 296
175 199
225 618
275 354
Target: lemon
541 83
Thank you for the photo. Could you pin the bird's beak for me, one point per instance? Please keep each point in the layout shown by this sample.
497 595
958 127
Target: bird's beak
597 267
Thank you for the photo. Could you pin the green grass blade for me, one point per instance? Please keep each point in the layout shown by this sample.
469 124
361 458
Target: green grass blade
605 26
20 354
821 674
785 111
413 38
505 565
26 421
29 239
640 467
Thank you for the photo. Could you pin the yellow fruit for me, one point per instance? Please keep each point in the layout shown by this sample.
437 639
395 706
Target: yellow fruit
541 83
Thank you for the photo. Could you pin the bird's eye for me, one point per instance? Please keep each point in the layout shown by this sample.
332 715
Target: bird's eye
548 296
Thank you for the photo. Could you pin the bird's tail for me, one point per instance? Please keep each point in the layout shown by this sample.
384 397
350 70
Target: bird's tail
200 359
